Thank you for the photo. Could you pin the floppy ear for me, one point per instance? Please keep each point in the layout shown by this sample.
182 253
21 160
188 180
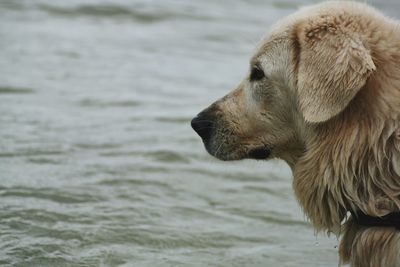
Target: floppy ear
333 66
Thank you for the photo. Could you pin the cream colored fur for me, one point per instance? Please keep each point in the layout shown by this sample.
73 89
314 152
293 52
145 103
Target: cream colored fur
330 107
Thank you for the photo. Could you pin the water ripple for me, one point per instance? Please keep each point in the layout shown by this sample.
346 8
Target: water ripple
31 152
15 90
182 120
48 194
110 10
102 104
167 156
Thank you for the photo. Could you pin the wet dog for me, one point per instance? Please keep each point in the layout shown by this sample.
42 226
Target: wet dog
323 94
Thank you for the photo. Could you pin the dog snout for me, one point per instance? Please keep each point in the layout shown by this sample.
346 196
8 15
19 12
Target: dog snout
203 124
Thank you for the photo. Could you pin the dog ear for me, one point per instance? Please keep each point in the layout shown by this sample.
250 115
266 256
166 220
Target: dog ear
333 65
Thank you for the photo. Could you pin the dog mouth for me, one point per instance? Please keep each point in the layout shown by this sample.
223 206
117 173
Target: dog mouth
260 153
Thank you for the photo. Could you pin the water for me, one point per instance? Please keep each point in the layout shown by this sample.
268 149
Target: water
98 164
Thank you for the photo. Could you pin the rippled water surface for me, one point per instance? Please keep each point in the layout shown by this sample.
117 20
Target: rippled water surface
98 164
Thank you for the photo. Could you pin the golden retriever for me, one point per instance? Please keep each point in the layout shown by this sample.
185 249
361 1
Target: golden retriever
323 94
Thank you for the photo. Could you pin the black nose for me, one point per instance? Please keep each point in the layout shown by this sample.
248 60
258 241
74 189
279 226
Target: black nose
203 124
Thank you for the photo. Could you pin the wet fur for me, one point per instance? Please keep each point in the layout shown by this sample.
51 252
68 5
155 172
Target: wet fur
352 161
331 109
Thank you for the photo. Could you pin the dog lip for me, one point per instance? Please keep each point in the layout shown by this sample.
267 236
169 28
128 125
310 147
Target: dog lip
260 153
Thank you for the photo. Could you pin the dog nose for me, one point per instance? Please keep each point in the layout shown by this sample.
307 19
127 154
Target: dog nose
203 125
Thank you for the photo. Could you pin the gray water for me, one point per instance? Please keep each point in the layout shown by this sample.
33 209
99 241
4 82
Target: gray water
98 163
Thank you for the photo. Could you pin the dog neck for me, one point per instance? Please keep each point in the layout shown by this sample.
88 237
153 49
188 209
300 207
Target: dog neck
349 164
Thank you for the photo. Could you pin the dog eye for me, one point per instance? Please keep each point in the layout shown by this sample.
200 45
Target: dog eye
256 74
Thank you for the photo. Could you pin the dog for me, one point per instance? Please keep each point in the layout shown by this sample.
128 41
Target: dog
323 94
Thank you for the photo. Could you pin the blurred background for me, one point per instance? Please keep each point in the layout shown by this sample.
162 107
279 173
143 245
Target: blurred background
98 163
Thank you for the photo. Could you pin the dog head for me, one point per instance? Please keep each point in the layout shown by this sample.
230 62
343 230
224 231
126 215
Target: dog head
305 72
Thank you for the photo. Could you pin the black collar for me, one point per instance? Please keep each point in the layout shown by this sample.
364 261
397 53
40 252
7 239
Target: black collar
389 220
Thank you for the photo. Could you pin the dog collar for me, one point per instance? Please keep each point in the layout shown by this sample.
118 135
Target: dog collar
389 220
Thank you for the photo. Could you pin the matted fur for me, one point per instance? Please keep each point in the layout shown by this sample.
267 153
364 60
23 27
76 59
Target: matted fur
330 107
